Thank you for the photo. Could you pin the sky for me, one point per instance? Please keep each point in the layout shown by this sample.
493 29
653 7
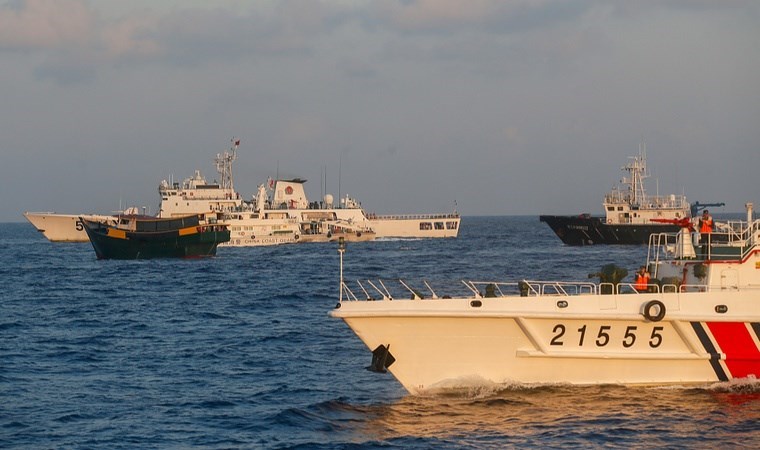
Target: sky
413 106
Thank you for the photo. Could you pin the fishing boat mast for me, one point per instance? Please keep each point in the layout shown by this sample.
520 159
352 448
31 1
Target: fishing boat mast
638 172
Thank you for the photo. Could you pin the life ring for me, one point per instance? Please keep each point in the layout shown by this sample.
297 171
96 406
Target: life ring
651 305
242 233
296 237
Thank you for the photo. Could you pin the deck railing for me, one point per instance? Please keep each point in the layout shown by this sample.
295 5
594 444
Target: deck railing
732 241
398 289
373 216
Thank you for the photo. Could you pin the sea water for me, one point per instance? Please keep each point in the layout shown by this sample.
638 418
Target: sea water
238 351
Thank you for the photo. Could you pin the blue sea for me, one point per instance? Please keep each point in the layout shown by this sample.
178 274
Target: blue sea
238 351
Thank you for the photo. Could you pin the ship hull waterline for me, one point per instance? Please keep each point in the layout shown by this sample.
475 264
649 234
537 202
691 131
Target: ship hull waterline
64 227
453 344
580 230
184 243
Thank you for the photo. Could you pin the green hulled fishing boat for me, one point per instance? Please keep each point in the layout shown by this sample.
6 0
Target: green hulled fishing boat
141 237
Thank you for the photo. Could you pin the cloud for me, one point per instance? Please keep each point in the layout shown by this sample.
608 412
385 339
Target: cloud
74 28
132 37
444 16
67 33
45 24
72 38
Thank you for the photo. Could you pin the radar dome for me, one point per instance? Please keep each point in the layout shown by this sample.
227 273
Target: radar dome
328 199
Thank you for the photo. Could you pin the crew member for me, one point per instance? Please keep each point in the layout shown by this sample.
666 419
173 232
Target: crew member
642 280
705 229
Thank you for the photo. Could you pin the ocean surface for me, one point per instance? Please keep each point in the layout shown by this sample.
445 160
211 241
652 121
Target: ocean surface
238 351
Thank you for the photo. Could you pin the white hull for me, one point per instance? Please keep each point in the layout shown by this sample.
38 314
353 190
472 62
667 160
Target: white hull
288 226
251 230
260 241
282 218
526 340
335 237
697 322
416 226
64 227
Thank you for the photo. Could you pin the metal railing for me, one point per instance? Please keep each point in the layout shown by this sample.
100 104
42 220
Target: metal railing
399 289
373 216
732 241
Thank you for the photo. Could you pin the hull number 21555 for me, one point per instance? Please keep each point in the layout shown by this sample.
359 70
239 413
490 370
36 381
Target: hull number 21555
586 337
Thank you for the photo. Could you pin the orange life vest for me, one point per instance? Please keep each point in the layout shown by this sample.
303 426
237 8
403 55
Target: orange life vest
641 282
706 226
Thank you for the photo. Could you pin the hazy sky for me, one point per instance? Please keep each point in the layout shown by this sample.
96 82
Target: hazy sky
504 107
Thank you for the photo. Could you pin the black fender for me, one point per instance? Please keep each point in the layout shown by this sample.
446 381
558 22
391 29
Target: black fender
654 311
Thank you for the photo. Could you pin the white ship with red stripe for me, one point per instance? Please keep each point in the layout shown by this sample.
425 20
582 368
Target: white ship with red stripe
697 323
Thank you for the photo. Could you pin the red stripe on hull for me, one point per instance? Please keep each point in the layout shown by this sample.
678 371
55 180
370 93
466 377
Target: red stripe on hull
735 341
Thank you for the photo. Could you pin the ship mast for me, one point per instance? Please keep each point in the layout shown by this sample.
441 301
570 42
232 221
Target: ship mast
638 172
224 164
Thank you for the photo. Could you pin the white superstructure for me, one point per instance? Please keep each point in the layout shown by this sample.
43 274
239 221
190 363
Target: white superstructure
697 322
281 212
290 196
283 216
628 203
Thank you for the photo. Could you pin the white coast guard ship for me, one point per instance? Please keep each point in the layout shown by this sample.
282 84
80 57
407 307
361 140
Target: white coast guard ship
65 227
698 323
248 222
289 196
285 216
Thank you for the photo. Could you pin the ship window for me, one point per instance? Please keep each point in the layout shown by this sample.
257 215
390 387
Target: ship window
451 225
610 208
426 226
620 208
439 225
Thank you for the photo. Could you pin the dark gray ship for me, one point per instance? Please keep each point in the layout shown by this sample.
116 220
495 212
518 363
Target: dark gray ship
631 215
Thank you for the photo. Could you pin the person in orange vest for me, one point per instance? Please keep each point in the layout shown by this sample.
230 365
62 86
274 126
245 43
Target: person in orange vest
642 280
705 226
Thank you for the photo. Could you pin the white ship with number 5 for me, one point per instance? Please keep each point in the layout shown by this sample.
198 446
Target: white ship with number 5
698 322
